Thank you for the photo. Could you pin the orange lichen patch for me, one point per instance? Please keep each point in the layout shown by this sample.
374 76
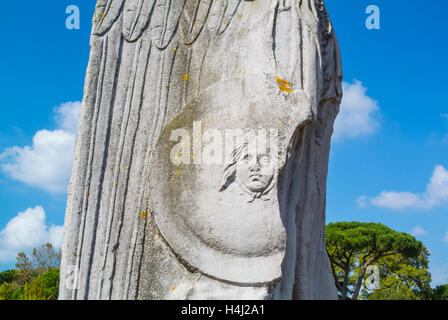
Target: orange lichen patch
174 288
173 49
144 215
284 85
185 77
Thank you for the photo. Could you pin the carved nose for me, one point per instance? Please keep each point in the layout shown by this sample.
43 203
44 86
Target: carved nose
253 166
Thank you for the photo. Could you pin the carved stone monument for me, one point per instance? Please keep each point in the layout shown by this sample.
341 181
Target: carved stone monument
202 153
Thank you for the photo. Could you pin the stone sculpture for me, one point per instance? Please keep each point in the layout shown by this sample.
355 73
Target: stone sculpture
202 152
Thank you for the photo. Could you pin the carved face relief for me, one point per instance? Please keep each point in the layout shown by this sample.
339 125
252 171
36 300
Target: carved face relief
255 171
254 168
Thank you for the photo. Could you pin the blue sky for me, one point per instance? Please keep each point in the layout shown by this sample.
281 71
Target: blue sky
391 137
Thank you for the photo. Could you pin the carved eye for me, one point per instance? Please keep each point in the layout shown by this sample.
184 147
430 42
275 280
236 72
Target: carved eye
247 158
265 160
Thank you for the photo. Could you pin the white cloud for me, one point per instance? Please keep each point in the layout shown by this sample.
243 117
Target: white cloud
418 231
436 194
397 200
26 231
67 115
359 113
47 163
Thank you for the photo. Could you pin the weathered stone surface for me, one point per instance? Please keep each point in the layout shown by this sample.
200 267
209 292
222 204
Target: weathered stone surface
161 205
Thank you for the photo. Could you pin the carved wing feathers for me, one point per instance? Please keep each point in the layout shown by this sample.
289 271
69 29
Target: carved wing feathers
106 13
162 17
173 11
136 17
194 18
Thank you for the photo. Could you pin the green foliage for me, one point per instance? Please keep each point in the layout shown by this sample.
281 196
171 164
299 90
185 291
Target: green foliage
441 292
7 291
50 282
43 259
23 276
7 276
34 291
43 287
404 277
354 246
371 237
36 278
398 293
18 293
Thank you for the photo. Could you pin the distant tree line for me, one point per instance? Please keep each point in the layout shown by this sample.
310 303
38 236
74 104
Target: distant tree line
400 260
36 277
